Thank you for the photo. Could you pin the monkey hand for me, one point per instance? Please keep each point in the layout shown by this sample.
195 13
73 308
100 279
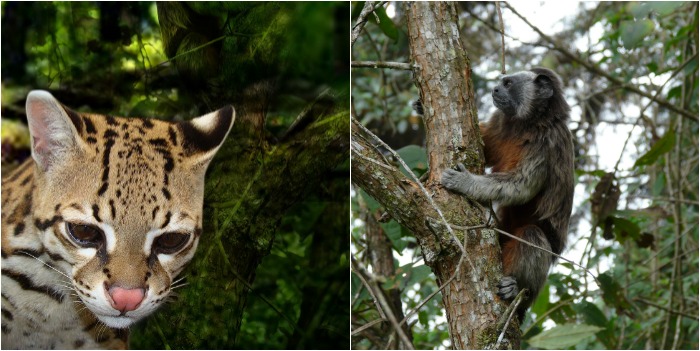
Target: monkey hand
507 288
458 181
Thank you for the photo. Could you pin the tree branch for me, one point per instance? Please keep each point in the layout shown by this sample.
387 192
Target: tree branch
595 69
381 299
362 19
379 64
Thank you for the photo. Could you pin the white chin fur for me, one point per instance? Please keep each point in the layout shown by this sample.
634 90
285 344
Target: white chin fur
117 322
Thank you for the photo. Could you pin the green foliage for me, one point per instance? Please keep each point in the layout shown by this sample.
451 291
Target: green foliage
664 145
634 32
646 292
563 336
415 158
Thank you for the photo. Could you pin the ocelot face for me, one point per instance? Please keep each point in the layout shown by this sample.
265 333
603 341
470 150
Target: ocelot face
125 251
121 201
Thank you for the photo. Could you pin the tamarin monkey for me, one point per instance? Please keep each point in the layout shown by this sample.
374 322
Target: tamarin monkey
530 151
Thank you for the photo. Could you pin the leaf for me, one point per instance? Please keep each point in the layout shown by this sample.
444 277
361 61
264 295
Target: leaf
415 158
356 9
541 305
418 275
690 68
659 185
393 232
372 204
662 146
563 336
625 228
612 292
634 32
675 92
638 10
664 8
385 23
653 67
423 318
646 240
591 313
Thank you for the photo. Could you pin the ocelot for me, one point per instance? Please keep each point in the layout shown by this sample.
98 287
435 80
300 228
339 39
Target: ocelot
97 225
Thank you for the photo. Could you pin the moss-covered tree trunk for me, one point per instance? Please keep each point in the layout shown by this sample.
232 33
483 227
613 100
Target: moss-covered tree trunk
443 75
254 179
253 184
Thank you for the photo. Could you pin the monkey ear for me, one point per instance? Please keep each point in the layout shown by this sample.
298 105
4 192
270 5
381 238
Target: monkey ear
545 86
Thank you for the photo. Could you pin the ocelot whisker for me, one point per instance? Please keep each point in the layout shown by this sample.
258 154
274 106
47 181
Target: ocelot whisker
170 299
178 286
44 263
178 280
98 268
102 328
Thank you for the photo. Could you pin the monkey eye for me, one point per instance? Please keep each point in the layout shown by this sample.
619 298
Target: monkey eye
507 83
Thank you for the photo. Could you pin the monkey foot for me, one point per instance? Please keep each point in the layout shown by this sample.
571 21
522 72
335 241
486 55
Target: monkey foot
507 288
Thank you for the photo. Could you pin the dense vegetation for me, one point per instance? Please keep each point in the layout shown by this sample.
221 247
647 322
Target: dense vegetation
279 274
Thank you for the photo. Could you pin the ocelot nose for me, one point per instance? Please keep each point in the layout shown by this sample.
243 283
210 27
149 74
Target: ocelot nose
125 300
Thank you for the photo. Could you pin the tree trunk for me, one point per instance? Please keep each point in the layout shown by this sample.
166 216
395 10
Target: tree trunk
443 76
381 257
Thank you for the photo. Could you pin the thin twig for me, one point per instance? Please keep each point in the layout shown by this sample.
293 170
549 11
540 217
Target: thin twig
666 199
503 39
367 326
549 252
380 64
493 28
454 275
355 153
362 19
369 288
383 303
597 70
561 304
647 302
641 113
191 51
514 306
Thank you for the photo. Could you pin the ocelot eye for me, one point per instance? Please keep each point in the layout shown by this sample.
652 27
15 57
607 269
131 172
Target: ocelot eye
85 235
169 243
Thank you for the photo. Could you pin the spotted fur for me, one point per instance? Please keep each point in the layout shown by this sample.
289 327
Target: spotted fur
90 222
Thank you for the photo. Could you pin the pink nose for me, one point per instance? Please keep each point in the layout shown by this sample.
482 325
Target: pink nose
126 300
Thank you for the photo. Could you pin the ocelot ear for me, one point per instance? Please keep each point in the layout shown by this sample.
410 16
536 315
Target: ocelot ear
204 135
53 128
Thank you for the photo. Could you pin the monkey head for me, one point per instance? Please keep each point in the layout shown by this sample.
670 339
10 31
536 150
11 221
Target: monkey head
521 95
